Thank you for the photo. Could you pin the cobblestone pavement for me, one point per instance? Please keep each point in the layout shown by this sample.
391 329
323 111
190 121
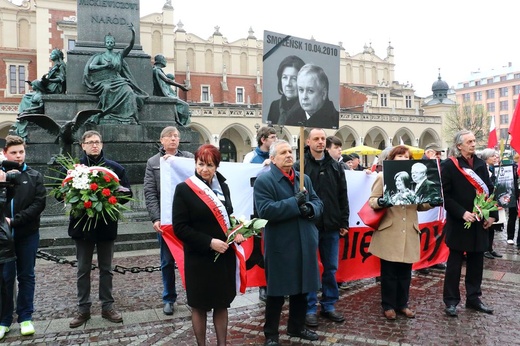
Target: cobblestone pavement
138 297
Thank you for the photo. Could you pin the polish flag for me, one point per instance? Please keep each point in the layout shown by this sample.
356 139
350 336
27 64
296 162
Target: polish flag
514 129
492 139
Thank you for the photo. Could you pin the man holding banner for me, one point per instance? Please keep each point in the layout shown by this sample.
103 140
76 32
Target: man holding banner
328 177
290 242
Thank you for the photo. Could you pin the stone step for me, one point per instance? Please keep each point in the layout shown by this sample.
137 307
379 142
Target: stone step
132 235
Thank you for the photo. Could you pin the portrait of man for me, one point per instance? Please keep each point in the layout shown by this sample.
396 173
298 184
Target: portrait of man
313 94
425 190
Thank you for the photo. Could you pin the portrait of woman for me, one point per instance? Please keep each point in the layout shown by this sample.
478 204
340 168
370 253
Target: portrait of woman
107 76
288 103
403 195
201 210
396 242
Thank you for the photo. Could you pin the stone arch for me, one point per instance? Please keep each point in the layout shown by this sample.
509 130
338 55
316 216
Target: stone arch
406 135
374 75
4 128
376 137
361 74
428 136
205 136
239 135
349 77
226 60
349 137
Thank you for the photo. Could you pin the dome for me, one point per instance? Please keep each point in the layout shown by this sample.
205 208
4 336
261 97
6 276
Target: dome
439 85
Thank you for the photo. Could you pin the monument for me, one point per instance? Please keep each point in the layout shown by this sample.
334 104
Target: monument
107 56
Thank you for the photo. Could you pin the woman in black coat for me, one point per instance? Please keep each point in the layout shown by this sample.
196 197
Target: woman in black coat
201 209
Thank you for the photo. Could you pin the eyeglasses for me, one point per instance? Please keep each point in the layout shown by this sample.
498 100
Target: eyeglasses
98 143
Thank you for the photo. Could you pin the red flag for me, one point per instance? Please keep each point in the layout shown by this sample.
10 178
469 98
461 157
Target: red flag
492 139
514 129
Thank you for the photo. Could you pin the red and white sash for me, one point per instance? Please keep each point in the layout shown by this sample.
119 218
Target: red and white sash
219 211
472 177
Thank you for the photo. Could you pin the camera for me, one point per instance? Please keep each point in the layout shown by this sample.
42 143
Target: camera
11 177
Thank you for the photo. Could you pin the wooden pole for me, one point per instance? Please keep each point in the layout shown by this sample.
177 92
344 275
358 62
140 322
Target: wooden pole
302 158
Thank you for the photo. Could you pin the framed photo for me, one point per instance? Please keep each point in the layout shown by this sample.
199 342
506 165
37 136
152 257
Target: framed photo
314 101
412 182
505 186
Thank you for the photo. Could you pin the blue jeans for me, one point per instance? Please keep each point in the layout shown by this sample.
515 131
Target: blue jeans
23 270
329 252
167 272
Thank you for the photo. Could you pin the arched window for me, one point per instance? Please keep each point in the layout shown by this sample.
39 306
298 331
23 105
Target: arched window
243 64
208 57
23 34
190 58
228 151
226 59
157 43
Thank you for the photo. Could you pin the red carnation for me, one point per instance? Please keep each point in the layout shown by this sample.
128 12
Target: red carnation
106 192
107 178
93 186
87 204
112 200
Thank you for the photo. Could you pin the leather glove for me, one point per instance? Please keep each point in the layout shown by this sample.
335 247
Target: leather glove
301 197
306 211
384 203
436 203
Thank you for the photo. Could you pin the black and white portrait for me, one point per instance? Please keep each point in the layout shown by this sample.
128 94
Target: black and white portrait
412 182
504 188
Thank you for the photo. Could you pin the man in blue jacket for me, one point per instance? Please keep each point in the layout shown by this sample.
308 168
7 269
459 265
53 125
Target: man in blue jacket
25 203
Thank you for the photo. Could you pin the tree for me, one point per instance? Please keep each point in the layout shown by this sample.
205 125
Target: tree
469 116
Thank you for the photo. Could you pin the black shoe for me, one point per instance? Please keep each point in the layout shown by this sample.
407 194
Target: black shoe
262 293
488 254
311 320
479 306
424 271
168 309
441 266
332 315
271 342
451 310
495 254
305 333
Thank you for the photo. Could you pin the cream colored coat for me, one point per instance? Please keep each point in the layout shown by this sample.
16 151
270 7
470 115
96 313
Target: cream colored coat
397 238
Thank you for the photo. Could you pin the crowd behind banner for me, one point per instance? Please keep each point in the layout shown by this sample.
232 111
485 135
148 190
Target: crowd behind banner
355 262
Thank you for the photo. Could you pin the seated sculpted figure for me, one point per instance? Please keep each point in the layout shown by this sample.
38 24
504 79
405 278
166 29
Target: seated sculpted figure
107 76
32 103
54 80
162 87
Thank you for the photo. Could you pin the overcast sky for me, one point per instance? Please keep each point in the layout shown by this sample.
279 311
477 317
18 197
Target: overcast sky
457 36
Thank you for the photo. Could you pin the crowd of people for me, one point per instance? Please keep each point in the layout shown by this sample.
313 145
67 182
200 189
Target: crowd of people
313 217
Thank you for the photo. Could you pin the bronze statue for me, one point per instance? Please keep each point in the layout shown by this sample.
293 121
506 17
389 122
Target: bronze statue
54 80
107 76
162 87
32 103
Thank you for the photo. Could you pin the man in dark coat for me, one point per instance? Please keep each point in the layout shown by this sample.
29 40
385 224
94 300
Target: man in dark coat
170 139
328 178
100 236
290 242
462 175
425 190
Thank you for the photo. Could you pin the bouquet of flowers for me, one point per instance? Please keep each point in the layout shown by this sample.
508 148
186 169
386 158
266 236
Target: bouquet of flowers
92 192
246 228
482 206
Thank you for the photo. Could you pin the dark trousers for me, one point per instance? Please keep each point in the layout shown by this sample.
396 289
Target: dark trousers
473 281
511 225
395 284
273 311
3 292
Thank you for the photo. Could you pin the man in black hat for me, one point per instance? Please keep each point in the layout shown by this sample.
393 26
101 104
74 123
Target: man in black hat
356 165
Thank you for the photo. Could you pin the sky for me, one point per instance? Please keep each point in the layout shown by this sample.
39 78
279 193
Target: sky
456 36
